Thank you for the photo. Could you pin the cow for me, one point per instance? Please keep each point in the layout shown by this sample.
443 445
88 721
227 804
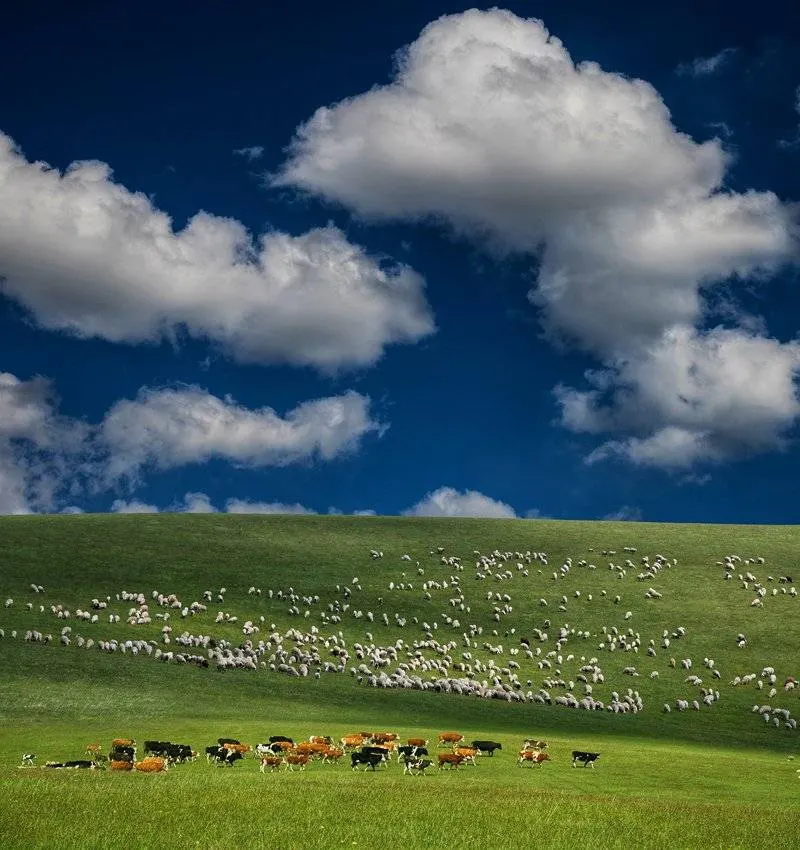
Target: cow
453 759
121 752
351 742
275 738
383 752
383 737
152 764
586 758
321 739
332 755
222 755
532 757
369 759
271 762
92 750
467 753
417 767
297 760
82 764
121 765
417 742
446 738
487 746
123 742
27 759
533 744
411 753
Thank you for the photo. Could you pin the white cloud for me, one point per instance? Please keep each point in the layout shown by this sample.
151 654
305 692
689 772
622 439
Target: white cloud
86 256
704 67
134 506
626 513
251 153
37 446
197 503
72 509
174 427
243 506
490 127
448 502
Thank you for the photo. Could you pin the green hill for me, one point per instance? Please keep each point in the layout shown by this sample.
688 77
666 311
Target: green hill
55 698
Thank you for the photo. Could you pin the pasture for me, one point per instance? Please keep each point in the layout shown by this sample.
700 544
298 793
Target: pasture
715 776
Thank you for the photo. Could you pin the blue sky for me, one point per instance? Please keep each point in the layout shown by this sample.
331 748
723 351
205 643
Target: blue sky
530 261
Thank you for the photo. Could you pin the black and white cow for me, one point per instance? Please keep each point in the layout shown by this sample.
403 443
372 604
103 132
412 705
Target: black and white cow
410 753
417 767
586 758
368 759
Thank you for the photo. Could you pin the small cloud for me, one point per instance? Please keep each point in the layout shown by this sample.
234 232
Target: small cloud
625 514
368 512
120 506
697 479
197 503
448 502
704 67
250 154
72 509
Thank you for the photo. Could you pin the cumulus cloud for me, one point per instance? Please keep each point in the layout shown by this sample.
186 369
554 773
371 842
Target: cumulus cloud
490 127
243 506
447 501
37 445
46 458
173 427
134 506
85 255
704 67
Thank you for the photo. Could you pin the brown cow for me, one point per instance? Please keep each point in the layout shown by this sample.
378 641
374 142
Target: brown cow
446 738
467 753
533 757
123 742
332 755
350 742
306 748
244 749
121 765
295 759
417 742
321 739
283 746
93 749
271 762
383 737
453 759
151 765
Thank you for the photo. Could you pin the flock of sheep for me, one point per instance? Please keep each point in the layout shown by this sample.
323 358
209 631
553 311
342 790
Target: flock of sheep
453 650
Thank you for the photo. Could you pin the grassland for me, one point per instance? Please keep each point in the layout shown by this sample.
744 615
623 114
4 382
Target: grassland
718 777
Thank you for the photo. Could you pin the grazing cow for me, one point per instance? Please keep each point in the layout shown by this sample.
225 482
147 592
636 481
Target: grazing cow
532 757
417 767
586 758
27 759
297 760
453 759
152 764
446 738
271 762
369 759
487 746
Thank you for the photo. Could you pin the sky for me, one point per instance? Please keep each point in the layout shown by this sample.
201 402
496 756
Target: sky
418 258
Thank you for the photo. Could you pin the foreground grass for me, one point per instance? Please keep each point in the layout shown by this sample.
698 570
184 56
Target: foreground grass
714 778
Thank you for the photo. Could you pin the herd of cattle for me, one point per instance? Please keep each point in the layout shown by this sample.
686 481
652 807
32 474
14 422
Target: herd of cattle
368 749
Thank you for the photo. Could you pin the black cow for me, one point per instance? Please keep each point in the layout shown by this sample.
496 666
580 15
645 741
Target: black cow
487 746
227 757
178 753
586 758
410 753
81 764
369 759
374 749
275 738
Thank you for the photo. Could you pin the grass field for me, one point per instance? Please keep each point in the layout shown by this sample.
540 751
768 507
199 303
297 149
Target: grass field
717 777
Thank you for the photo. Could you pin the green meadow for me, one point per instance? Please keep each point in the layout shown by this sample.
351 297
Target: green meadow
717 777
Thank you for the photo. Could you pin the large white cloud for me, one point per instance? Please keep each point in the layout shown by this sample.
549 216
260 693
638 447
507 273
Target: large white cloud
46 457
89 257
449 502
173 427
491 127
